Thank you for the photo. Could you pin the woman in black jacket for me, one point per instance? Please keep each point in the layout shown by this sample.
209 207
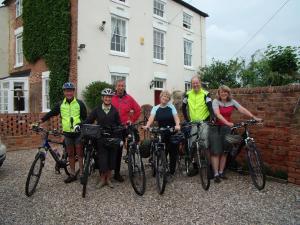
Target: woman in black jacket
106 116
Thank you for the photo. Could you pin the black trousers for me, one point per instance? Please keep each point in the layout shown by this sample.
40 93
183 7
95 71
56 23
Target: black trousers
106 156
172 151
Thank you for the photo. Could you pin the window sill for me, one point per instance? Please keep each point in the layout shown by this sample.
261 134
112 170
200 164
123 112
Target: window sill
160 62
189 68
188 30
163 19
121 3
18 65
120 54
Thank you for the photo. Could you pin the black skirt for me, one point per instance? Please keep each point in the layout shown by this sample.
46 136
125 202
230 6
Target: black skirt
106 155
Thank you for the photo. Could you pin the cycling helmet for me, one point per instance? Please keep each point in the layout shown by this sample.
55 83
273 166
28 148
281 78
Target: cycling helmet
68 85
107 92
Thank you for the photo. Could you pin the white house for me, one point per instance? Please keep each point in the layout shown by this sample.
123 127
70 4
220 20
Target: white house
152 44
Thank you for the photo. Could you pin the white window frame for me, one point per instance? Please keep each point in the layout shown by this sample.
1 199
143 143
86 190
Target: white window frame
115 52
19 34
163 46
125 2
159 81
19 8
187 85
123 76
11 82
189 63
45 78
162 2
187 24
4 92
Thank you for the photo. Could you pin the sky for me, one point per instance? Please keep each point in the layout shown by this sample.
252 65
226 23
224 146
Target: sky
231 23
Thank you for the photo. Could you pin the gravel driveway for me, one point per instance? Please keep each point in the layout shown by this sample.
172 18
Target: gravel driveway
234 201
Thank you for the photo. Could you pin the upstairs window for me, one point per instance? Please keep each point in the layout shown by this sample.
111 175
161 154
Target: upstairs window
187 21
159 8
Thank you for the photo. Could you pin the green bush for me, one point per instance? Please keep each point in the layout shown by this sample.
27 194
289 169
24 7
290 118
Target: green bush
92 93
47 35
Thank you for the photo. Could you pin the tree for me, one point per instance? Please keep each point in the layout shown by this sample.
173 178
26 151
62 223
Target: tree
227 73
92 93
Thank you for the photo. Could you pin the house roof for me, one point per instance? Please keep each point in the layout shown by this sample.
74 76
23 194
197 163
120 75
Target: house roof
181 2
191 8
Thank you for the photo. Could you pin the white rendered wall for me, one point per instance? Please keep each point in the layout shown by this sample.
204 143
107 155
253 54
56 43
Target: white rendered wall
96 59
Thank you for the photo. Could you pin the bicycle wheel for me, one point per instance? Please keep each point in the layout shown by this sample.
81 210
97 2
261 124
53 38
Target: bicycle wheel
255 165
34 174
136 171
86 172
161 171
203 166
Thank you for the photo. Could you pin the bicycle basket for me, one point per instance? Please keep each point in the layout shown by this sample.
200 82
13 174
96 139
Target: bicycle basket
91 131
113 142
177 138
145 147
233 138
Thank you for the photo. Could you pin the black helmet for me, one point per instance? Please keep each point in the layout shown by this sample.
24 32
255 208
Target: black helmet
145 147
68 85
107 92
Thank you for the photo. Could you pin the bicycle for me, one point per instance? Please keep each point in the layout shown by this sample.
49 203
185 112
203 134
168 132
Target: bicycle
196 152
158 160
254 160
136 169
91 133
61 159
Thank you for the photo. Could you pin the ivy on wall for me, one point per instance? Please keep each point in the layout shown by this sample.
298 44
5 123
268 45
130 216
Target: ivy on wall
47 35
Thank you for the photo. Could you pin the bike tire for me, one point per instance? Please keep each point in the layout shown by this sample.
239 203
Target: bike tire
86 172
161 171
136 167
203 166
39 162
256 166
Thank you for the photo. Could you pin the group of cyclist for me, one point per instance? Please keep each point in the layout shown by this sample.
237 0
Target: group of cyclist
119 108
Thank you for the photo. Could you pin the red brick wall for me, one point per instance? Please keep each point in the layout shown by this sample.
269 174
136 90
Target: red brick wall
36 69
15 130
279 137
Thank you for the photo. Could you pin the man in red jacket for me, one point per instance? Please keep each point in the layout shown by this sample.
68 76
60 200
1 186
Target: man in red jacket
129 111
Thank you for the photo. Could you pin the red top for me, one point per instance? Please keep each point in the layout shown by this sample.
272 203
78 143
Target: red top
225 109
127 107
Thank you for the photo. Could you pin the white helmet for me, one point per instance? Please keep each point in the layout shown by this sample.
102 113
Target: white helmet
107 92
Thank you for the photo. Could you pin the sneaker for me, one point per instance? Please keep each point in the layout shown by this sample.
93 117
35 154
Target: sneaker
118 178
109 184
217 179
222 176
70 179
101 184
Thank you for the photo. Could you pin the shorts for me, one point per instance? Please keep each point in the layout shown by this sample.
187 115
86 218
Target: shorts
203 134
72 141
218 145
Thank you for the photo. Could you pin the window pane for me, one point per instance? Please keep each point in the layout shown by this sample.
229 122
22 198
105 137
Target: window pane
118 36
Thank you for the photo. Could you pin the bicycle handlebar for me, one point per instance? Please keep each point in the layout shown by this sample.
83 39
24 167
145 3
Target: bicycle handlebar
245 123
157 130
37 128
